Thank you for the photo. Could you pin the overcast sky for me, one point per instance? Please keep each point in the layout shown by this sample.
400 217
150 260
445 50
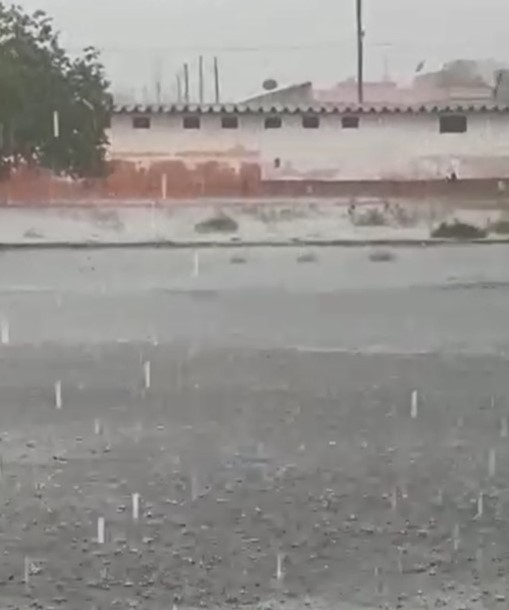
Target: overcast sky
289 40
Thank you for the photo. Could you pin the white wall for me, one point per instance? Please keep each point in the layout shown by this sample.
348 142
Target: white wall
390 146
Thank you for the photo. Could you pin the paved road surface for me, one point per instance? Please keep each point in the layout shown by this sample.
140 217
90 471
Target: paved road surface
273 426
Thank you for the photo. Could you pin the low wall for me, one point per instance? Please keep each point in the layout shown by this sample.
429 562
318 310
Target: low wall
173 180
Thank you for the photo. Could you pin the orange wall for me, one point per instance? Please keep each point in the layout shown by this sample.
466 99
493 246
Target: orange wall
130 183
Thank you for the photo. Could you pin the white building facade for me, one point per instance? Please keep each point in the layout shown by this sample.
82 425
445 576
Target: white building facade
320 143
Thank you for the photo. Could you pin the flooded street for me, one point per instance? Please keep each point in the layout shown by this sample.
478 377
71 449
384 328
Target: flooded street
263 428
426 299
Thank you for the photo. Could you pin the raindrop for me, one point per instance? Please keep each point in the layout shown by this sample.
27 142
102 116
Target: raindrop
440 497
504 427
379 581
5 331
456 538
58 394
100 530
194 488
414 405
136 506
394 499
26 576
492 466
196 264
147 375
479 556
138 429
400 560
279 567
480 506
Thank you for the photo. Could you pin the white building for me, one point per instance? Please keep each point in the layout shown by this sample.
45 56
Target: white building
320 143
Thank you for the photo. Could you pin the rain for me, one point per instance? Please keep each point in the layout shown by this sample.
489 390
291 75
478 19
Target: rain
260 432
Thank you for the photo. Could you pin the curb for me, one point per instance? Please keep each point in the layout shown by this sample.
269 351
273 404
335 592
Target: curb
344 243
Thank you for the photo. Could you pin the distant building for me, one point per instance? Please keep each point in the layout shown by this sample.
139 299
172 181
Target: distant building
294 94
318 142
459 81
271 150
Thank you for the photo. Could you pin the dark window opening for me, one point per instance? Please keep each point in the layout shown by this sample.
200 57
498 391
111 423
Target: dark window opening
191 122
350 122
273 122
141 122
453 123
230 122
310 122
277 162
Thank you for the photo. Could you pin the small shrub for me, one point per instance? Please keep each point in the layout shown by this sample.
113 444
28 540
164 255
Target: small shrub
217 224
381 256
403 217
307 257
32 234
238 259
500 227
370 218
458 230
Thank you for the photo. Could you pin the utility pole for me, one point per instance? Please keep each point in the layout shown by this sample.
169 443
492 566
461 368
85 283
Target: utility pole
158 79
186 83
360 53
179 89
216 81
200 80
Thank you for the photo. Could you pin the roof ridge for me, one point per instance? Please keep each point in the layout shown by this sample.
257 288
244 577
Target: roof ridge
318 108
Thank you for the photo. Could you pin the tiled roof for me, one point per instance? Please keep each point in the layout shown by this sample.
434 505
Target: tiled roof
309 109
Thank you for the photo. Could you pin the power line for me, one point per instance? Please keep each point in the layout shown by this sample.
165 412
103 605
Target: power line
399 47
226 48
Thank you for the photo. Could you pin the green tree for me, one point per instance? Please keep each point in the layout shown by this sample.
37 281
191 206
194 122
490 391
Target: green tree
54 108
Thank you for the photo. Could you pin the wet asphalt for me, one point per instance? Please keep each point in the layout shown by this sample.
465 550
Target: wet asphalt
277 420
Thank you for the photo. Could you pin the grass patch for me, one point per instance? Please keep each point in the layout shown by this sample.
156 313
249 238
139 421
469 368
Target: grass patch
32 234
238 259
458 230
382 256
370 218
307 257
500 227
217 224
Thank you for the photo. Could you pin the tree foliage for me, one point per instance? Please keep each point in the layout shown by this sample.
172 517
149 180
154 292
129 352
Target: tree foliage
54 108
